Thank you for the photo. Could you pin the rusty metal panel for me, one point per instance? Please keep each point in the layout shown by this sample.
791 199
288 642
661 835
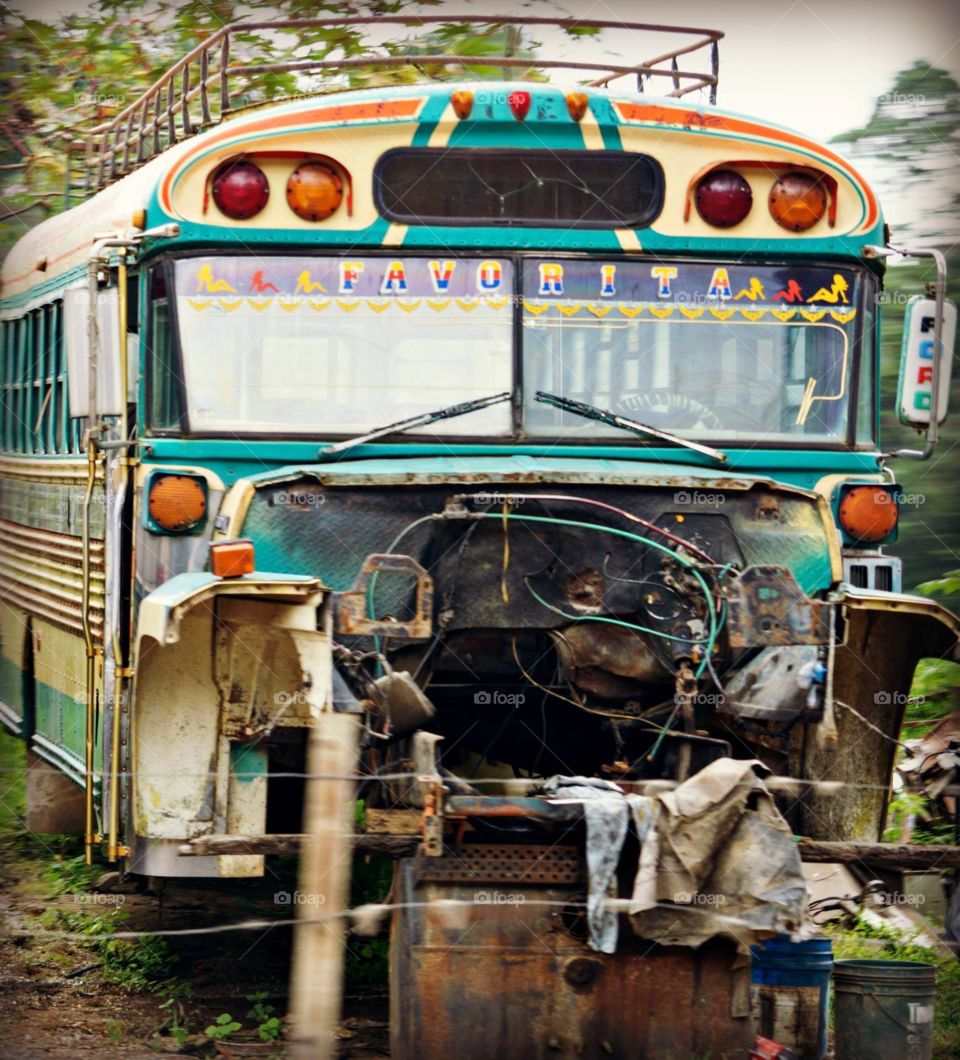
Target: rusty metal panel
507 973
505 864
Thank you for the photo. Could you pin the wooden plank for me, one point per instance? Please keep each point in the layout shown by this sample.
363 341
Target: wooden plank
393 832
892 855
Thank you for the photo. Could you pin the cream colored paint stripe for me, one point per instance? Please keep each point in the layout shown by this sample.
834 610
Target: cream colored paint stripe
440 136
395 235
590 128
234 507
593 141
629 240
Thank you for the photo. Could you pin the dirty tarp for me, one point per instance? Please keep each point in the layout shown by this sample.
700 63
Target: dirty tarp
728 863
716 859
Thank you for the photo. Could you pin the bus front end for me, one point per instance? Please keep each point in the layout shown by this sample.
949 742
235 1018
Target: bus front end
573 417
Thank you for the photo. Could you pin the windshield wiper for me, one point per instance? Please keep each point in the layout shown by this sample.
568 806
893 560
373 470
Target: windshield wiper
423 420
590 412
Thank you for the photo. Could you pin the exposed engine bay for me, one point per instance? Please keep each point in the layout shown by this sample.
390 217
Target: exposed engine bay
628 633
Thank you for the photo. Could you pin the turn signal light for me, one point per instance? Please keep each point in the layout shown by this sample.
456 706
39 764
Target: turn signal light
177 503
233 558
314 191
798 201
240 190
868 513
723 198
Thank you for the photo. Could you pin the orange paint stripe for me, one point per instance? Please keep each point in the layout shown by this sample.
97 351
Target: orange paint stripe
342 112
708 122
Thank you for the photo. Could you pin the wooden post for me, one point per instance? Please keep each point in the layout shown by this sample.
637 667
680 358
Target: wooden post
316 986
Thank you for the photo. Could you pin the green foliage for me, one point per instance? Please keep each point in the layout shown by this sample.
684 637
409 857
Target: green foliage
948 585
270 1029
921 83
866 940
13 769
903 805
60 80
366 963
176 1014
907 144
269 1025
135 965
224 1026
70 875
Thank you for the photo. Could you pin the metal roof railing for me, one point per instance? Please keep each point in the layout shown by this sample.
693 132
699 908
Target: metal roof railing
203 87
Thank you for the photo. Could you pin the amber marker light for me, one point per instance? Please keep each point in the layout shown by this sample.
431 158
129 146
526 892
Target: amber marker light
233 558
462 103
868 513
577 104
177 503
314 191
797 201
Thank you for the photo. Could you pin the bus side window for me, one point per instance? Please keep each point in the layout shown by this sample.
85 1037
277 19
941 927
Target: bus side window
866 398
6 361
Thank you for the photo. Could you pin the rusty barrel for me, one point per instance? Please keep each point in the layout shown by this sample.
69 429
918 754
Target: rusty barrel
791 993
883 1010
489 958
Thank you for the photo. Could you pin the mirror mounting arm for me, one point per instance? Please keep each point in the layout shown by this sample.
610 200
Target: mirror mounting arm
940 291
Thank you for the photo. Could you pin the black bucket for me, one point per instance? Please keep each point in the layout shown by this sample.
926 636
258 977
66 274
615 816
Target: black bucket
883 1010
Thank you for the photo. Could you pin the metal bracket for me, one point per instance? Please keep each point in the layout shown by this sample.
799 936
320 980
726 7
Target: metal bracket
353 605
765 605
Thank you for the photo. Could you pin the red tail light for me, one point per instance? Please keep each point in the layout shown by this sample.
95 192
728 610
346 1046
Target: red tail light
519 103
240 190
723 198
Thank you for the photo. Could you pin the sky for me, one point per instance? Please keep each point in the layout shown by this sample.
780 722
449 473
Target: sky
814 65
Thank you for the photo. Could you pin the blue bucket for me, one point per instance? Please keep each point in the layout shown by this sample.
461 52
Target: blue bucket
791 992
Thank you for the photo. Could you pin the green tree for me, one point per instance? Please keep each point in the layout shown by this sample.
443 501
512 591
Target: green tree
60 80
910 144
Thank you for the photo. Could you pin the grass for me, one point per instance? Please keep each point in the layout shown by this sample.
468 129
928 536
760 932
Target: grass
13 785
866 940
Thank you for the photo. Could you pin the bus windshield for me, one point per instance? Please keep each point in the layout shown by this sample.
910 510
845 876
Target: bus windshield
335 346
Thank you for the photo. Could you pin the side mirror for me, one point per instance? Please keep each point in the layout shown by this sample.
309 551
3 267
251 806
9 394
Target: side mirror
915 386
76 333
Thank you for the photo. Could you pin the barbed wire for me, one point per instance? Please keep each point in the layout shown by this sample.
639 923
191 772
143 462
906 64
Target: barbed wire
367 918
524 784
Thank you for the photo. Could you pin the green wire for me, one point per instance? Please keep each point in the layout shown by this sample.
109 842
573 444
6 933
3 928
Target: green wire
708 641
603 618
711 610
715 626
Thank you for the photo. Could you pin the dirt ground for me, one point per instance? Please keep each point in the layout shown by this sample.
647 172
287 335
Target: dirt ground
57 999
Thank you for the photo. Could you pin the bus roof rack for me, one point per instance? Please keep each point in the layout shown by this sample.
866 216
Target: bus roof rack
204 87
